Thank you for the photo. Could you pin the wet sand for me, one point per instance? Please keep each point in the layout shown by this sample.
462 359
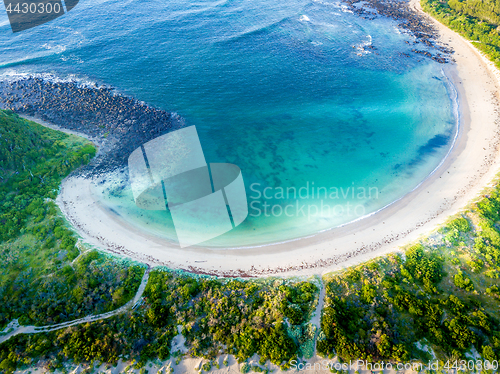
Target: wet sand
99 112
471 165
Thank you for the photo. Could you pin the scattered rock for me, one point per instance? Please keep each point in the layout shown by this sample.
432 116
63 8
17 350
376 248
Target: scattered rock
117 123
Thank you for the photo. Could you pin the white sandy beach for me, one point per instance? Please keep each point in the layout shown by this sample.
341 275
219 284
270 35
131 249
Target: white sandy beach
471 165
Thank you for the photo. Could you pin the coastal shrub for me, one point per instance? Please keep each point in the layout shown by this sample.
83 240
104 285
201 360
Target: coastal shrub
374 311
462 281
476 264
405 312
459 225
488 353
207 366
493 290
38 284
424 266
245 368
476 20
243 316
456 230
485 10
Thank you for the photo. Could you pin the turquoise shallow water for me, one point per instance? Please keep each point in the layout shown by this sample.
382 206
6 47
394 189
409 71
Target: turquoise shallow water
291 92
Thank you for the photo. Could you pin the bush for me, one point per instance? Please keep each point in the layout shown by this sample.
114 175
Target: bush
462 281
245 367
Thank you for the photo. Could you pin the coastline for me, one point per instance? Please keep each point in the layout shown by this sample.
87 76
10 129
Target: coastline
470 166
40 121
458 131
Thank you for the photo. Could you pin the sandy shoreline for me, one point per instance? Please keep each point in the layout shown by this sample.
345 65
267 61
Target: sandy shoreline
471 165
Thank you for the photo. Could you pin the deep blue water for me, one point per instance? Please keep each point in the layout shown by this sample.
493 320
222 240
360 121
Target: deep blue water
288 91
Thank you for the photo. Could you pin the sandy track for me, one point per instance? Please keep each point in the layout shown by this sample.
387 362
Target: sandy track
87 319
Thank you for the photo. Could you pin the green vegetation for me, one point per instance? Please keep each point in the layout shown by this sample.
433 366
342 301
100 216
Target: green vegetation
232 316
476 20
443 292
41 283
485 10
44 278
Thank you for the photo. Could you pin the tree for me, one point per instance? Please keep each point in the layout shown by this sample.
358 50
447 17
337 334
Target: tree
462 281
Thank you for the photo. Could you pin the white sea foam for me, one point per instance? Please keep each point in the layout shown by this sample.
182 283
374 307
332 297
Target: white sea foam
333 5
57 49
361 47
73 58
345 9
13 75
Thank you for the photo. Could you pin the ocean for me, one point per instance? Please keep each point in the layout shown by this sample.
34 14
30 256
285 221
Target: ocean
329 115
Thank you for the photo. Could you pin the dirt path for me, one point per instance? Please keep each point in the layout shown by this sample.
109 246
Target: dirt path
90 318
316 318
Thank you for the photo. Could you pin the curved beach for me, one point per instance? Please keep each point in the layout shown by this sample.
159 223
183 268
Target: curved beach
471 165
